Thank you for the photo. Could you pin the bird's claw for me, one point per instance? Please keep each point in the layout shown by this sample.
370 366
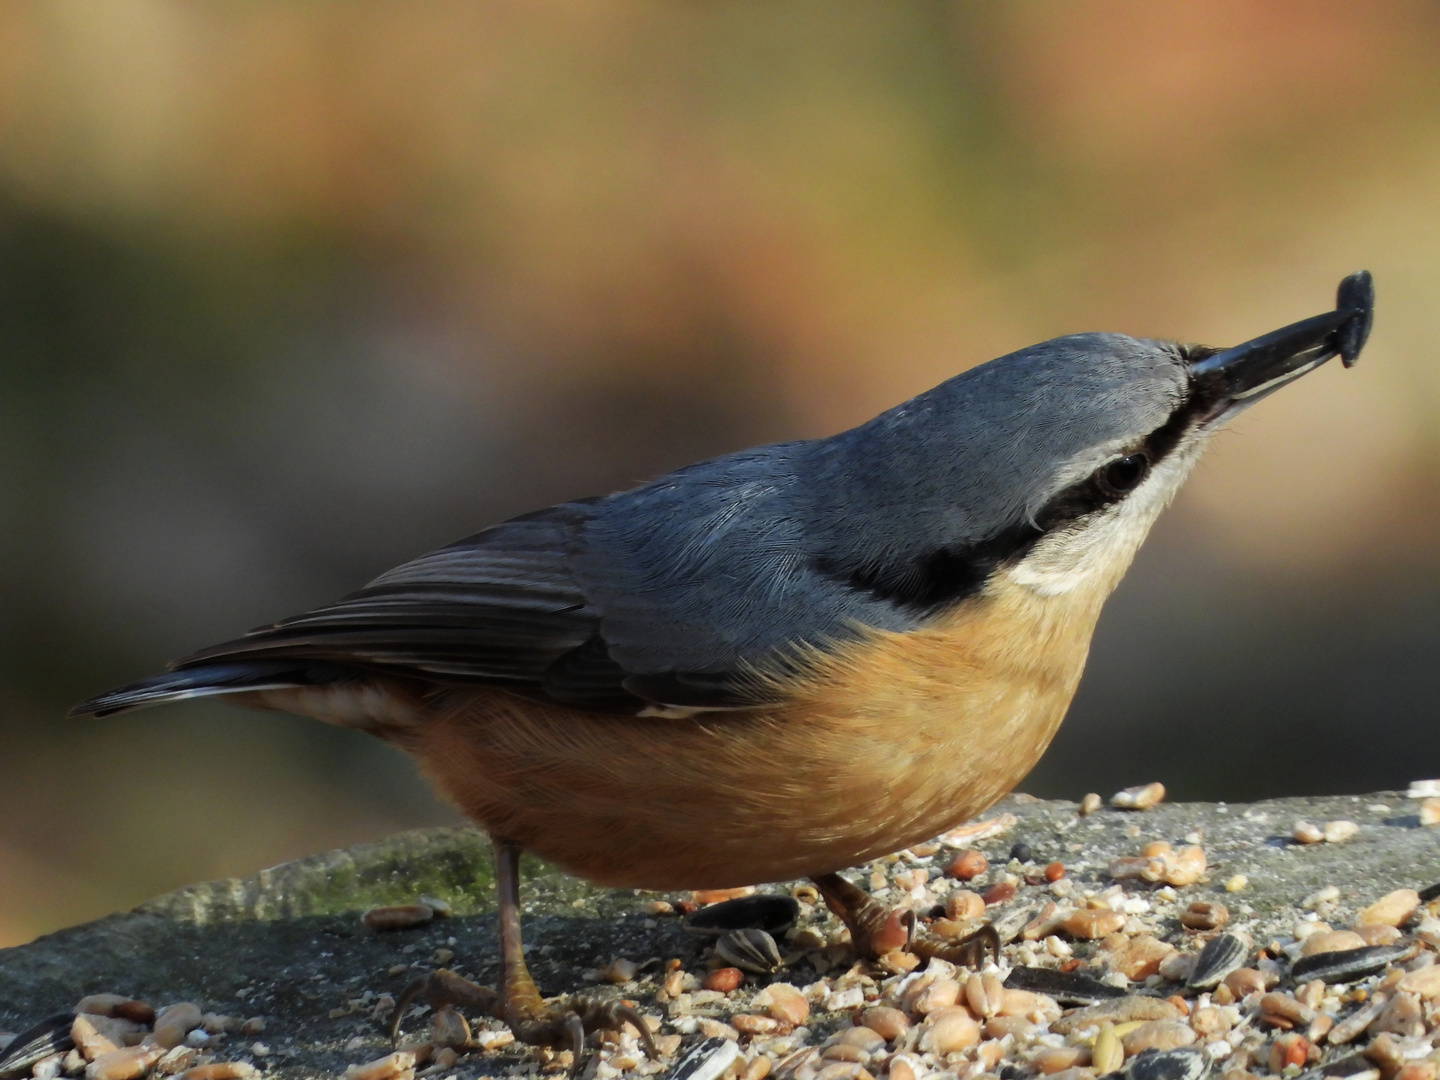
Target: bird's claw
900 929
876 930
444 987
560 1022
970 951
564 1023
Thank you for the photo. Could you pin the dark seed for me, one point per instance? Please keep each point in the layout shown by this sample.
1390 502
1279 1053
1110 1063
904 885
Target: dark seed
1066 987
1021 852
1348 964
749 950
1430 893
1352 1065
706 1060
1221 955
1169 1065
774 914
1356 291
49 1036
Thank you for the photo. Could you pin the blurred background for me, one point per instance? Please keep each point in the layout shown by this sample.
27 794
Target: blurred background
290 293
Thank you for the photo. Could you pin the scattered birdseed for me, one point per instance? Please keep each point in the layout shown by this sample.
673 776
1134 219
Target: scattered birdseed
1305 833
1392 909
976 831
220 1070
1138 798
723 979
773 914
968 865
1320 898
706 1060
619 971
398 916
1347 965
1220 956
749 950
1113 962
1204 915
1337 832
128 1063
400 1063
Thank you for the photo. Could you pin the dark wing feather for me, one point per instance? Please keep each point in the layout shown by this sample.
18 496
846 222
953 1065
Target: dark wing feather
499 606
588 678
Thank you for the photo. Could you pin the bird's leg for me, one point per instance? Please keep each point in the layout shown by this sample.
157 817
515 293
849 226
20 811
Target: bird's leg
561 1022
876 930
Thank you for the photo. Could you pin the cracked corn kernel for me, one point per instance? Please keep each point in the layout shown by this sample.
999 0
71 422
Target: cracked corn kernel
1306 833
1392 909
968 865
1141 797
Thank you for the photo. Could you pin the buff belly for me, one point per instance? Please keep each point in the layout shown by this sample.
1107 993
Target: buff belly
880 745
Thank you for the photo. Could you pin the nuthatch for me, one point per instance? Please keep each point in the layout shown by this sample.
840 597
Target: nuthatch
780 662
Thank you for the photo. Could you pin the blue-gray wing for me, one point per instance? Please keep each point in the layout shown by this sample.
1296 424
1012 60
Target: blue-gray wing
671 594
712 573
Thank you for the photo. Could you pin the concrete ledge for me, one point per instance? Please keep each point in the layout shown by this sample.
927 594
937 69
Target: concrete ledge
287 943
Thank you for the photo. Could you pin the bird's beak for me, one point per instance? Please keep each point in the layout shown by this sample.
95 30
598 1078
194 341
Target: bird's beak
1236 378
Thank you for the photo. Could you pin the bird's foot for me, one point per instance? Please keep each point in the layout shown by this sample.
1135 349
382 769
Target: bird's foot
876 930
443 987
561 1022
969 951
564 1022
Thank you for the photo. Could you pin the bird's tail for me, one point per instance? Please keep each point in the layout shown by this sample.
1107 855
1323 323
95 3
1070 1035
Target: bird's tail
202 680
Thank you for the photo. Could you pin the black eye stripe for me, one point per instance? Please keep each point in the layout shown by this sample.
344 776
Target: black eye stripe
930 581
938 578
1104 487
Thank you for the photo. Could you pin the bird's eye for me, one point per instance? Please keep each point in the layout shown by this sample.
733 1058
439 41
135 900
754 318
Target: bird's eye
1123 474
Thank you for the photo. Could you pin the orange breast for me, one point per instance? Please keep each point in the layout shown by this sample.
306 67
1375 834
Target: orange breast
881 744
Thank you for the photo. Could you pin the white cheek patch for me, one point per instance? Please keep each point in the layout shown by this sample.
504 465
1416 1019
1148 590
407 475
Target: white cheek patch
1097 550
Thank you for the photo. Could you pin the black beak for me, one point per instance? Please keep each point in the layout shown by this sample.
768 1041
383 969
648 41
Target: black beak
1240 376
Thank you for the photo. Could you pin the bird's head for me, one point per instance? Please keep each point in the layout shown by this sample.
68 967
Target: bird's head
1049 465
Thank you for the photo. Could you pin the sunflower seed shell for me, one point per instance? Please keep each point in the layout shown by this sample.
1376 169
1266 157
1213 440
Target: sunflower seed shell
749 950
1066 987
49 1036
773 914
706 1060
1221 955
1348 964
1177 1064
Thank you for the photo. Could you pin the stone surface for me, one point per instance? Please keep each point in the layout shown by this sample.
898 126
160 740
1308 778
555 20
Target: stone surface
287 943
